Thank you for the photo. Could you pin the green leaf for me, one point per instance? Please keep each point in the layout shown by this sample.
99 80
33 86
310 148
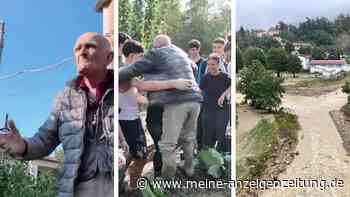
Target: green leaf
147 191
210 158
215 171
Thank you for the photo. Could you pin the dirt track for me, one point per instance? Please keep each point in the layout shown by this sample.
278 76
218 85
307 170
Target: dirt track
321 154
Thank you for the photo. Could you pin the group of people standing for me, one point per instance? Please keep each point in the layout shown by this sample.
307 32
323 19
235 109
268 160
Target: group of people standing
187 98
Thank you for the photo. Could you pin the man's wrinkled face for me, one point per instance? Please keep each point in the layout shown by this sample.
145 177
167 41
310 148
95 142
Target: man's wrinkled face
193 52
91 55
218 48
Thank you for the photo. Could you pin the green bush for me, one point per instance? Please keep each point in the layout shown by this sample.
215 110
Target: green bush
346 89
256 149
15 181
216 164
287 124
261 87
263 143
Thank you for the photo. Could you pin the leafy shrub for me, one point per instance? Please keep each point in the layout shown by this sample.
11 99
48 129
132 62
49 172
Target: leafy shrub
261 87
216 164
15 181
346 89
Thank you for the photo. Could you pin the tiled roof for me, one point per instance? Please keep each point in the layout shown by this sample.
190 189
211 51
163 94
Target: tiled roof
101 4
327 62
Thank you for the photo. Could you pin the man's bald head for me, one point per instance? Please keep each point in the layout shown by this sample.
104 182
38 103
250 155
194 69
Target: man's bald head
161 40
93 53
103 42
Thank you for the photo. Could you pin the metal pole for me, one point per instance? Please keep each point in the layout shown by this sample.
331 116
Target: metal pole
2 32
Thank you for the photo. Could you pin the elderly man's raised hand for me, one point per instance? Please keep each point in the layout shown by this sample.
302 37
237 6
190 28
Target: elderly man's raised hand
12 141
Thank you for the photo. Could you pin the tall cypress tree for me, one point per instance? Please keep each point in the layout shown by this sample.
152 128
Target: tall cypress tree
137 20
124 17
151 27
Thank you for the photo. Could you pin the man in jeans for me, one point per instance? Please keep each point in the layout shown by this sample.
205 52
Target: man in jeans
82 120
181 107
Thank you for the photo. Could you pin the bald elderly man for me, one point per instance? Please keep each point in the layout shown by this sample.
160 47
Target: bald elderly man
181 107
82 121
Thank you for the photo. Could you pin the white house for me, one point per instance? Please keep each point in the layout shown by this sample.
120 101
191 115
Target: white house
272 32
328 68
44 164
35 167
305 61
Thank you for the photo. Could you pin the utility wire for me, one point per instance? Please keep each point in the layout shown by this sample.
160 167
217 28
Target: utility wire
37 69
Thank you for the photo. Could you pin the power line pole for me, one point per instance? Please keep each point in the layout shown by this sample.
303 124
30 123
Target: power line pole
2 32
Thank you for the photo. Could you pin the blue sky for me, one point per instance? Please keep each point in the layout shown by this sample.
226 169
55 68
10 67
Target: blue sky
39 33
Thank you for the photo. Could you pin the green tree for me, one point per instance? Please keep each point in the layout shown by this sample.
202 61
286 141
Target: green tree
294 64
144 19
277 59
151 27
289 36
254 53
282 26
198 21
289 47
346 89
239 60
318 53
266 92
243 38
343 42
15 181
124 17
194 24
305 50
322 38
169 20
267 42
248 74
333 54
261 88
137 20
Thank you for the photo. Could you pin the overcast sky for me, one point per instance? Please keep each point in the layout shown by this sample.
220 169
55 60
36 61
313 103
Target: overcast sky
262 14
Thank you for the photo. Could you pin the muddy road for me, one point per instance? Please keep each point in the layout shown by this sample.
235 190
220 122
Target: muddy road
321 153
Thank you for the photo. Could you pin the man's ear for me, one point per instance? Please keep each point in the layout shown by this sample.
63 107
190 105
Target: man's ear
110 57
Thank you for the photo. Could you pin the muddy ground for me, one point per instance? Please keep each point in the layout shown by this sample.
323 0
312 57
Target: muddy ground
342 123
321 153
283 154
308 91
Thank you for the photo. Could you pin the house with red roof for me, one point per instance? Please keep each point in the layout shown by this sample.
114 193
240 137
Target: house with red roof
328 67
